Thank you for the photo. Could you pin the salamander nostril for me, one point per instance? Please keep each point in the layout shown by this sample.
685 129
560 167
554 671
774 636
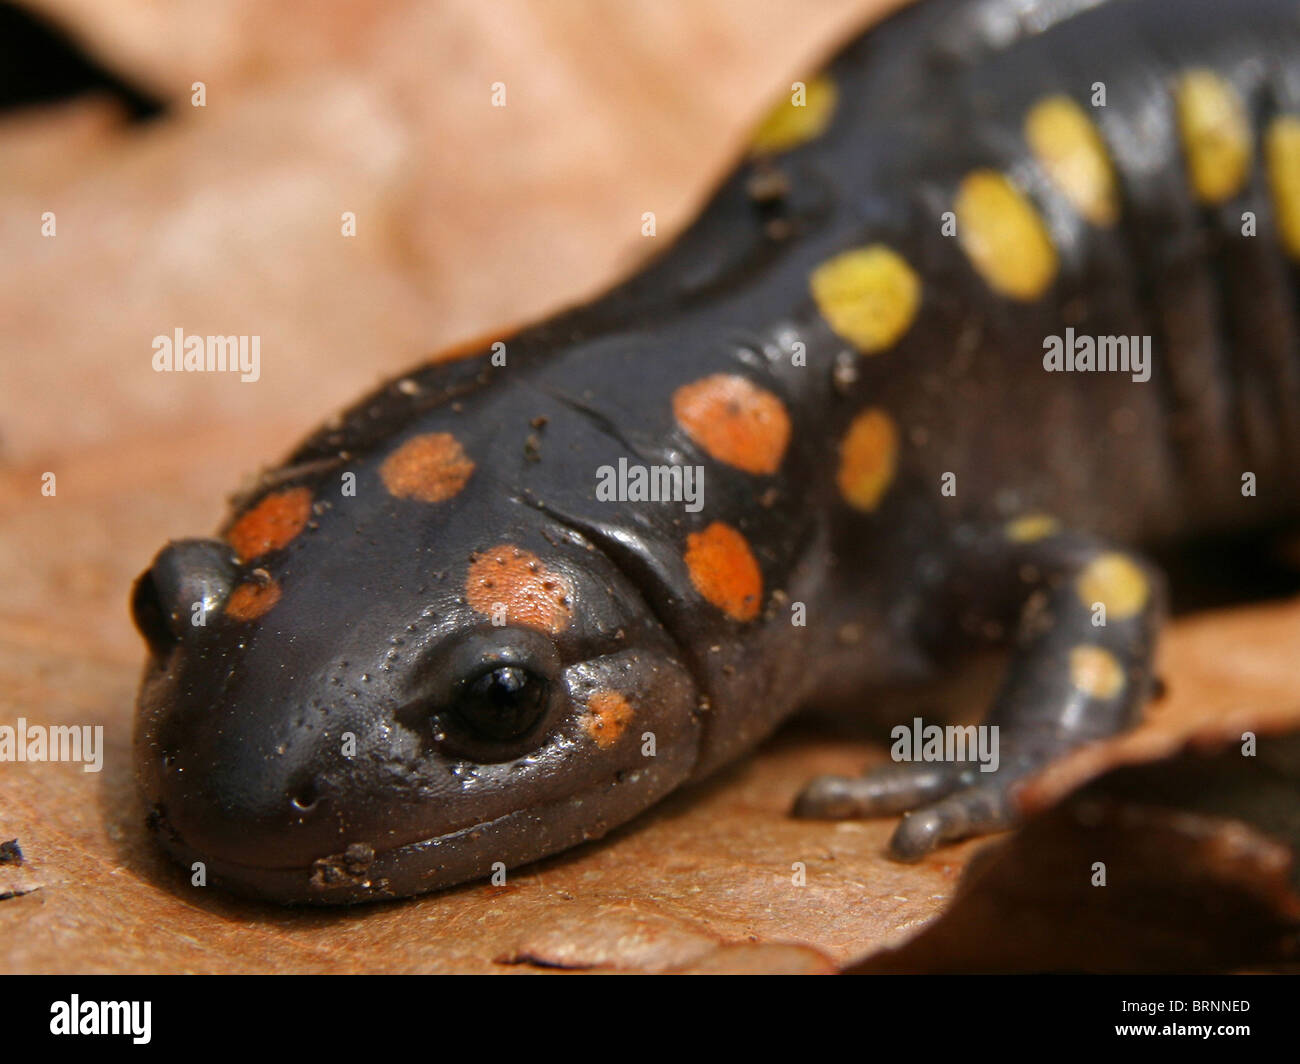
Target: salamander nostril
304 797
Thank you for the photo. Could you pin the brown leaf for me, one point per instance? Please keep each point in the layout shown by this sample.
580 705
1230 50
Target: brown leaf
1201 855
226 219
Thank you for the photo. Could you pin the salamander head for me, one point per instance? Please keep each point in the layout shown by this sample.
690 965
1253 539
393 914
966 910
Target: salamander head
348 701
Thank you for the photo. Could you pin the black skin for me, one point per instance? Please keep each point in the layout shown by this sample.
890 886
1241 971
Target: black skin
242 724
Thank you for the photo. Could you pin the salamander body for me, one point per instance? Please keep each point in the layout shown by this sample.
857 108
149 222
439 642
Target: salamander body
847 429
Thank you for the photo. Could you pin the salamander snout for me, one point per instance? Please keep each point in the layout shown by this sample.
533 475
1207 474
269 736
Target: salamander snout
188 579
380 707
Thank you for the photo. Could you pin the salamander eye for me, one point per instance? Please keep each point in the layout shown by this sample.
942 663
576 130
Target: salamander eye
501 704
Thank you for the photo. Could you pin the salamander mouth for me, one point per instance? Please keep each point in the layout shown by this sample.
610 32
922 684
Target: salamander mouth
359 873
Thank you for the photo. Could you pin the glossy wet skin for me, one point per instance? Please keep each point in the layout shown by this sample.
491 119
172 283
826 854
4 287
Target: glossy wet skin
471 742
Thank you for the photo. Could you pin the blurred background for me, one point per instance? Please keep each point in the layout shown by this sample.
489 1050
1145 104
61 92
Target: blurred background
227 219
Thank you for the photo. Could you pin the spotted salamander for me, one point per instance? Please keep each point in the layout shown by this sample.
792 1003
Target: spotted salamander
429 645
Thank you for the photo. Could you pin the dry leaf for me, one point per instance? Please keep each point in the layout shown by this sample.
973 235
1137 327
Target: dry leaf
225 219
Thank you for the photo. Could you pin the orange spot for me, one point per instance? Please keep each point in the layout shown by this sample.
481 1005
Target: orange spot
510 580
271 524
428 468
607 717
868 457
724 571
735 421
252 600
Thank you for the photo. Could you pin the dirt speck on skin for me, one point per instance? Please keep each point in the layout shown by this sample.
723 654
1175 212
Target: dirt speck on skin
350 866
11 852
768 185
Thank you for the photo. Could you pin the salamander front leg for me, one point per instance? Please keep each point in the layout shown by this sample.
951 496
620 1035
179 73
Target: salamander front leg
1086 616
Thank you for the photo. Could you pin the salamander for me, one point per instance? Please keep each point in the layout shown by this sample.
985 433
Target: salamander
994 307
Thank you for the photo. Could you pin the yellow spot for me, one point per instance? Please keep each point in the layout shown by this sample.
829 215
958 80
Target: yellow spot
1031 528
724 572
251 600
1282 150
428 468
607 717
511 578
1215 129
1003 236
787 126
1116 581
1071 151
868 296
1096 672
272 524
735 421
868 458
